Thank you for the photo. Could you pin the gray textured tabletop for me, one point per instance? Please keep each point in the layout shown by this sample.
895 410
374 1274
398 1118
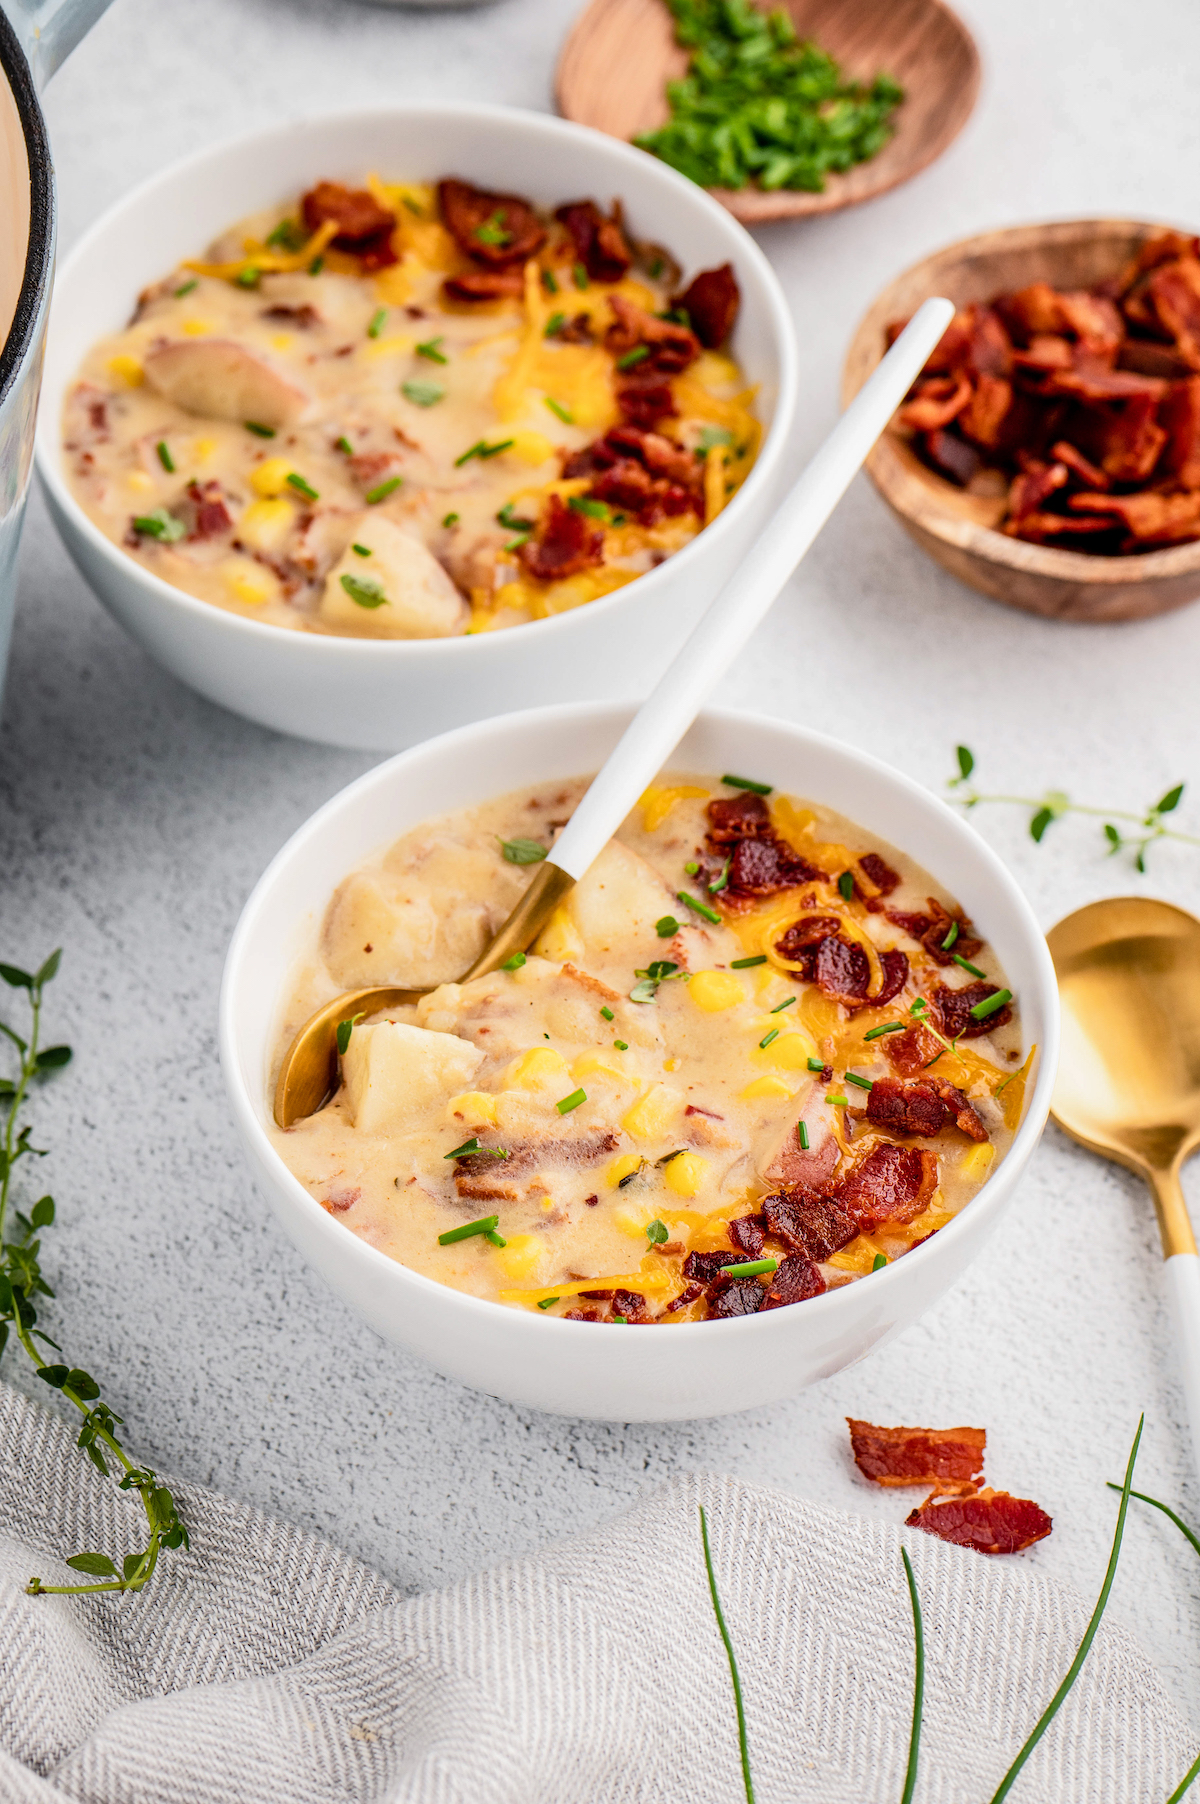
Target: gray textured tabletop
135 818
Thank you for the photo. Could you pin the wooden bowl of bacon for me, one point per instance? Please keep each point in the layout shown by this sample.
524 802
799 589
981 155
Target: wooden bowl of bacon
1049 455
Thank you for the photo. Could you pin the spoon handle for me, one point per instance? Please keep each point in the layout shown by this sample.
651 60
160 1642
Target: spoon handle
672 705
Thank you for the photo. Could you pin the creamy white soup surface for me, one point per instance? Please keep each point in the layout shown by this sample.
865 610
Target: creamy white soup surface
409 411
756 1054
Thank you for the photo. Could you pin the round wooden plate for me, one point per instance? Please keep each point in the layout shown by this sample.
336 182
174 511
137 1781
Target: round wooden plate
620 53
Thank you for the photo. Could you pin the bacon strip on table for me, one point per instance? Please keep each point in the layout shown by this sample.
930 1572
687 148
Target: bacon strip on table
917 1456
990 1521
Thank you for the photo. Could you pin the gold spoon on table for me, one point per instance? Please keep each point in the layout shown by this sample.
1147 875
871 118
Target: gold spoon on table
309 1070
1128 1083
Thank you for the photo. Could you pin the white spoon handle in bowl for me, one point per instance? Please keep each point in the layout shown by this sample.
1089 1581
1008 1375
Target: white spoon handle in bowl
672 705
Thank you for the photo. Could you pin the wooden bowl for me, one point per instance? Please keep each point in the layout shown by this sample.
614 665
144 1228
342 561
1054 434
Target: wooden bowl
958 529
620 54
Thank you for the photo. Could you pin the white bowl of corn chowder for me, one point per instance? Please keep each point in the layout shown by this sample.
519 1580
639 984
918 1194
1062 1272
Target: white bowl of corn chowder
486 1281
289 624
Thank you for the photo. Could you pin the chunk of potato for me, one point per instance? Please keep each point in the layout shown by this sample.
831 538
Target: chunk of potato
619 895
396 1076
224 381
399 591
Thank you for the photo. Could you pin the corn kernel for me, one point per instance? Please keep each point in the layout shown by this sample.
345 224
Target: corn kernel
475 1106
282 341
685 1175
196 328
128 369
715 990
541 1068
270 477
622 1167
140 483
521 1255
202 449
654 1114
975 1162
671 1064
589 1062
792 1050
248 582
764 1087
531 447
265 525
632 1220
560 938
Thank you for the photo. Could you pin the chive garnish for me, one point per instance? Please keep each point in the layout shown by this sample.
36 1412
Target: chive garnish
482 449
423 394
950 937
463 1151
497 1240
607 1013
522 851
341 444
721 880
885 1027
991 1005
879 1261
160 525
485 1225
297 482
248 277
571 1102
345 1029
514 522
258 429
412 206
186 288
667 927
554 325
802 1135
516 544
580 275
450 520
914 1744
493 230
747 1782
656 1233
286 236
967 965
838 1101
361 550
164 457
815 1065
753 1268
745 964
767 1038
316 266
692 868
638 355
431 351
864 1083
701 908
595 510
546 1302
780 1006
622 1321
365 591
378 321
563 413
760 789
514 963
383 490
846 885
621 1045
548 281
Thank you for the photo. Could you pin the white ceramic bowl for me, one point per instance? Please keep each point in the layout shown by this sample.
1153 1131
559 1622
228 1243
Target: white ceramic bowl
573 1368
360 692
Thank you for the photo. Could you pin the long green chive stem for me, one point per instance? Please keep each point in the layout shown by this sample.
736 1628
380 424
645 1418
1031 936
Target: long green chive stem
914 1745
760 789
750 1268
1051 1710
967 965
486 1225
548 281
744 964
1180 1524
733 1667
863 1083
258 429
563 413
701 908
780 1006
1186 1780
886 1027
546 1302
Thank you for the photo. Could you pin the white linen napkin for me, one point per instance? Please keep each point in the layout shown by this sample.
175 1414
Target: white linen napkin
268 1668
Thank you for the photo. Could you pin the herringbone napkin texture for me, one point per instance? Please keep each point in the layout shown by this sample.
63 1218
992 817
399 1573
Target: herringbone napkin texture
268 1668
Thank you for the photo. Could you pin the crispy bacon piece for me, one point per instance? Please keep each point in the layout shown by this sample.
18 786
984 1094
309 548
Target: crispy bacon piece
1078 465
910 1052
983 419
990 1522
1179 416
733 818
364 226
952 456
881 874
803 936
1175 296
1031 312
484 1177
935 402
893 1183
933 929
632 1305
764 867
706 1268
1046 351
747 1234
301 317
209 516
711 301
1030 490
952 1010
670 347
917 1456
599 242
736 1296
639 472
922 1108
644 402
841 970
795 1280
813 1225
512 231
565 543
1150 518
1042 529
485 285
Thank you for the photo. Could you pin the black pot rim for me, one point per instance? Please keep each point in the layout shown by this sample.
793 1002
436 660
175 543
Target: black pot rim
38 256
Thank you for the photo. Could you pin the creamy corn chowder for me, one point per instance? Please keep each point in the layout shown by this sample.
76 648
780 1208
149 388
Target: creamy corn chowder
412 412
755 1055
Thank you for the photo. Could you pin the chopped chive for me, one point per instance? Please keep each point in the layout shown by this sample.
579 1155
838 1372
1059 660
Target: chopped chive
361 550
571 1102
516 544
967 965
497 1240
607 1013
514 522
950 937
914 1744
595 510
461 1152
745 964
341 444
450 520
991 1005
248 277
885 1027
548 281
846 885
701 908
655 270
780 1006
564 413
186 288
554 324
692 868
743 1746
656 1233
160 525
879 1261
485 1225
767 1038
721 880
297 482
546 1302
383 490
760 789
514 963
522 851
365 591
164 457
838 1101
431 351
378 321
493 230
753 1268
638 355
482 449
412 206
864 1083
621 1320
423 394
815 1065
621 1045
579 275
258 429
316 266
666 927
802 1135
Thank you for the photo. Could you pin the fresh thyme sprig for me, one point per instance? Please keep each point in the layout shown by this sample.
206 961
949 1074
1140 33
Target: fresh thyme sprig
1050 807
21 1280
